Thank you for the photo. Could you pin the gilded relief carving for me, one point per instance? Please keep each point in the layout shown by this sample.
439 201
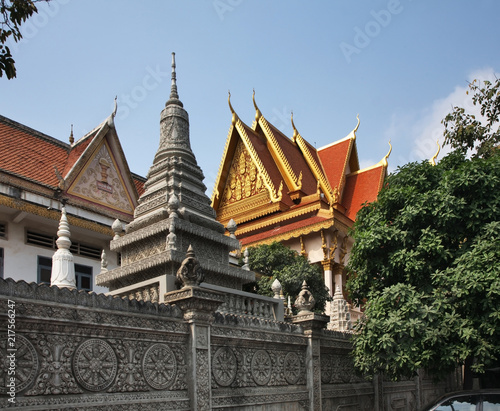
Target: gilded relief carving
244 180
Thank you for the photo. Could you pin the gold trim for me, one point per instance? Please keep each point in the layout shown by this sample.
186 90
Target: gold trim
315 168
291 180
433 159
54 215
215 192
274 220
294 233
275 196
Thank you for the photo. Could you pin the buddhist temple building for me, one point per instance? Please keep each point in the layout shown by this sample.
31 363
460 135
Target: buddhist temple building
283 189
41 175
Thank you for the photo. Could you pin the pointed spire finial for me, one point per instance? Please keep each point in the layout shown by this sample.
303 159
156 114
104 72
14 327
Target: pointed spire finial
384 160
433 159
352 134
258 114
71 138
174 96
113 114
235 116
295 132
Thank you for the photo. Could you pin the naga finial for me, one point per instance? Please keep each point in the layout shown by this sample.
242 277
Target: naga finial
433 159
295 132
235 116
384 160
258 114
352 134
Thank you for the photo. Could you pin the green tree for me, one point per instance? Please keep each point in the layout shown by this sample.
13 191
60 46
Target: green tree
13 14
426 260
291 269
463 131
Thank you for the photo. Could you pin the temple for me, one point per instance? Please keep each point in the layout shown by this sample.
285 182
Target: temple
283 189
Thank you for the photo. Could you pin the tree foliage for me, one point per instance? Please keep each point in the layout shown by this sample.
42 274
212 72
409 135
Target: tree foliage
463 131
13 14
291 269
426 259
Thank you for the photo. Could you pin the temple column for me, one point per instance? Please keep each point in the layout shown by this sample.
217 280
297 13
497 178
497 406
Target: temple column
328 276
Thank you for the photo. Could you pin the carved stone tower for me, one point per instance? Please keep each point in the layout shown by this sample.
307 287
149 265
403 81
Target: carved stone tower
173 213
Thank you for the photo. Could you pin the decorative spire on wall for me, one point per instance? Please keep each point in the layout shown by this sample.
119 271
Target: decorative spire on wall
63 267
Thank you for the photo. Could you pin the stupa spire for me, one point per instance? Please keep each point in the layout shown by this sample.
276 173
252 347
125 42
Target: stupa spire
174 96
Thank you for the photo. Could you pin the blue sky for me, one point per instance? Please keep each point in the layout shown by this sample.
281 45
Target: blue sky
401 65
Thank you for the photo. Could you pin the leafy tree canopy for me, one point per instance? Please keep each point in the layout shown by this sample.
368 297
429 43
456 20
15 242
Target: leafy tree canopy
426 259
12 14
463 131
291 269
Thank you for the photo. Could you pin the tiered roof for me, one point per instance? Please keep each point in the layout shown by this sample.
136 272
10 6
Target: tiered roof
277 188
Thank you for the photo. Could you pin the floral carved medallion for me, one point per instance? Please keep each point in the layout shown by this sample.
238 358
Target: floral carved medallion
25 362
261 367
224 366
159 366
95 365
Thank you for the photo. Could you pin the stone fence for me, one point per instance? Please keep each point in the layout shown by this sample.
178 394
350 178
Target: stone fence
72 350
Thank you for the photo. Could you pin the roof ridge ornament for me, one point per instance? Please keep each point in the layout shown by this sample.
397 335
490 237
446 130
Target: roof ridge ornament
352 134
71 137
432 161
258 113
384 160
295 132
235 116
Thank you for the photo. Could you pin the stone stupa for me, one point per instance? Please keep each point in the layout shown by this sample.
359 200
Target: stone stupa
173 214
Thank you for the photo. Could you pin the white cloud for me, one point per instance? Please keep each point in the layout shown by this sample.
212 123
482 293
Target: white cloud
424 127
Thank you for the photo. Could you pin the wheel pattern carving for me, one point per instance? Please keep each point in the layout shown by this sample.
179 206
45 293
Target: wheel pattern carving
292 368
326 369
25 361
95 365
224 366
159 366
261 367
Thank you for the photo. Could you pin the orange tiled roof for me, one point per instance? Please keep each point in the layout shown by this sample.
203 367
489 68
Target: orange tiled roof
362 186
30 154
334 158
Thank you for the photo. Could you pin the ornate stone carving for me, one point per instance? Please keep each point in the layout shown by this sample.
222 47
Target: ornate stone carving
26 363
261 367
224 366
190 272
55 376
305 300
95 365
129 375
159 366
292 368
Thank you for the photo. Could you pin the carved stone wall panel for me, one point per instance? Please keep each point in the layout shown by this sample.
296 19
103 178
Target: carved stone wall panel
139 250
239 367
24 358
55 375
95 365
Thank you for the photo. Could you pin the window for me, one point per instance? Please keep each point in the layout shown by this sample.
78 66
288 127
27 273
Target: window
44 269
460 403
1 262
49 241
3 230
83 273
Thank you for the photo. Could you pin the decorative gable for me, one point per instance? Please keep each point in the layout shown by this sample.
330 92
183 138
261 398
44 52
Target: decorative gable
101 182
244 190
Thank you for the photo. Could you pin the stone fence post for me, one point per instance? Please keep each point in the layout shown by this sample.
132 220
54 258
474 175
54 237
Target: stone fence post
198 305
312 324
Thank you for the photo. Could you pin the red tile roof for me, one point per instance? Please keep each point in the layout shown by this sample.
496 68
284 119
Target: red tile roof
362 186
334 159
30 154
